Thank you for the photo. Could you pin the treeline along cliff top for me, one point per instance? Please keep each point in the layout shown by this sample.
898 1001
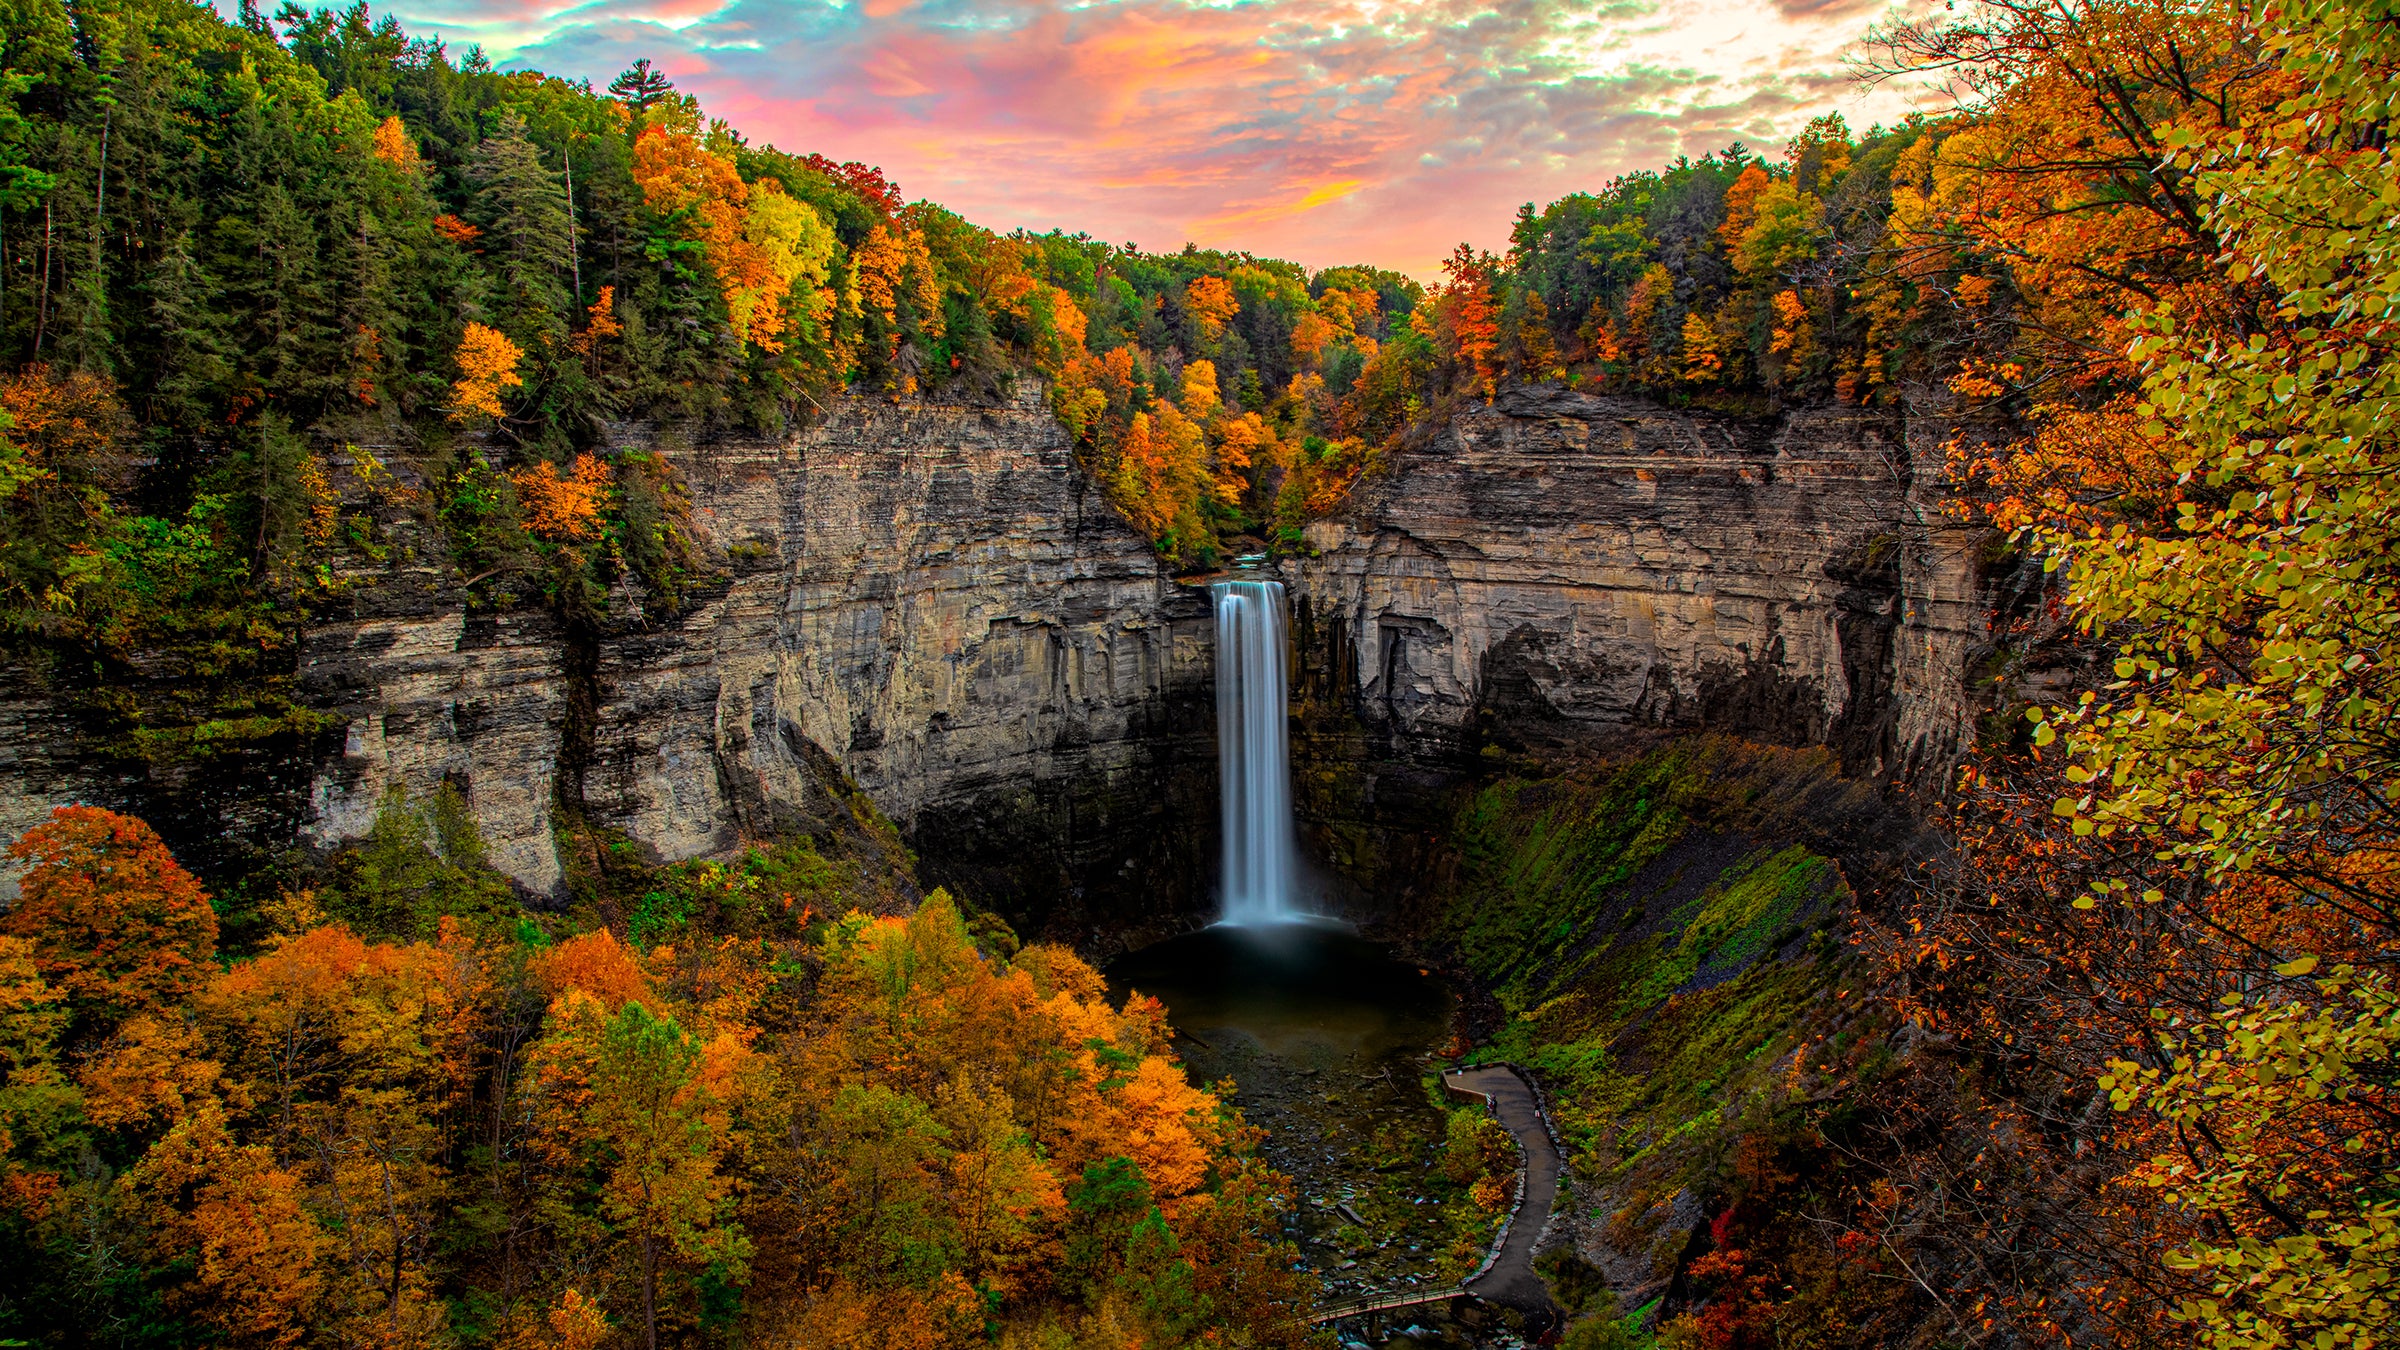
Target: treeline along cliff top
236 259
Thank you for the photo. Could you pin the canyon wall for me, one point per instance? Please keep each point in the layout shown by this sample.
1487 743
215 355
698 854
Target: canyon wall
1560 569
928 603
930 600
933 604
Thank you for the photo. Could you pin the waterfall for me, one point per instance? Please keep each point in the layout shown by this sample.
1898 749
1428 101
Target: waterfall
1253 762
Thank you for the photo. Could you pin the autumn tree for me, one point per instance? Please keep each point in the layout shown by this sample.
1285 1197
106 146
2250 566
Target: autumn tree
115 923
1470 318
2143 896
66 461
757 240
653 1126
564 507
394 146
347 1050
487 364
1211 302
38 1102
2066 172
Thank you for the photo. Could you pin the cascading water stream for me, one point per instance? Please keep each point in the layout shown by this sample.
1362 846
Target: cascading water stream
1253 762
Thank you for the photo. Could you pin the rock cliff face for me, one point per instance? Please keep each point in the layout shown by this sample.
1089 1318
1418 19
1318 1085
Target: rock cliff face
934 603
931 599
945 606
1560 568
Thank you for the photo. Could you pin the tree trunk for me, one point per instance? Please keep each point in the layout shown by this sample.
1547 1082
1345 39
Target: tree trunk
41 315
650 1287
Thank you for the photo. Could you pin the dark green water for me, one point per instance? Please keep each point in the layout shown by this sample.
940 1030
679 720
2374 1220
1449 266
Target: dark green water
1330 1041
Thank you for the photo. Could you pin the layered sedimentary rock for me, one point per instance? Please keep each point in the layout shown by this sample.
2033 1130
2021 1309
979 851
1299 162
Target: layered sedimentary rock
931 600
1558 567
939 600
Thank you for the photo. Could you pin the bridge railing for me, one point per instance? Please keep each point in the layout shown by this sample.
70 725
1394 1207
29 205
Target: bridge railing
1360 1307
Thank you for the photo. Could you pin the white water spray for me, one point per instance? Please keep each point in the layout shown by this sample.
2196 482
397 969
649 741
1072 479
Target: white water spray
1253 761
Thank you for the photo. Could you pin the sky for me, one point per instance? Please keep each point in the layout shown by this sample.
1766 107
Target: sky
1324 131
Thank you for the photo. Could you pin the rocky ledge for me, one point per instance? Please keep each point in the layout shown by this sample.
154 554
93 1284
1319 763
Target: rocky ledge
1559 568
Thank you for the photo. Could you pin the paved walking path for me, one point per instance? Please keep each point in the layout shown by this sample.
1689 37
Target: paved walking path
1511 1280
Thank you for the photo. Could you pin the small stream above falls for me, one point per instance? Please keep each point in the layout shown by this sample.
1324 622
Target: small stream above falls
1330 1041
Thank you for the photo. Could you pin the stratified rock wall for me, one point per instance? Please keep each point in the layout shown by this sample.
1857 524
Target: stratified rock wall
1558 568
939 599
935 602
931 599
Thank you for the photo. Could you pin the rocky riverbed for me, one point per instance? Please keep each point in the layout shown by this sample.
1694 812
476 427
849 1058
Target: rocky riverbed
1334 1048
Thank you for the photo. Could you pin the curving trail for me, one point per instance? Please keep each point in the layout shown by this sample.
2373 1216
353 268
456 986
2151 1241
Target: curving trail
1511 1280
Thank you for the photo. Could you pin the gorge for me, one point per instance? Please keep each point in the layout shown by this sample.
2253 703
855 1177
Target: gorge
932 602
613 735
927 610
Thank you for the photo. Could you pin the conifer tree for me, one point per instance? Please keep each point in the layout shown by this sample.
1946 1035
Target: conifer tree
523 211
640 87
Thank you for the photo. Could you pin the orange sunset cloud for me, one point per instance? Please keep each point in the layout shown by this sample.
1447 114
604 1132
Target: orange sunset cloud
1327 131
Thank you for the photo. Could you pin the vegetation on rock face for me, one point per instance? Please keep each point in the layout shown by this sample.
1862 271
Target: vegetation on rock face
1664 937
2114 1066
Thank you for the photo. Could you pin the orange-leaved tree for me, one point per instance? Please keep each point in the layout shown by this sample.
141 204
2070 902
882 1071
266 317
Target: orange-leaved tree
1468 319
1211 300
116 923
757 240
487 364
564 508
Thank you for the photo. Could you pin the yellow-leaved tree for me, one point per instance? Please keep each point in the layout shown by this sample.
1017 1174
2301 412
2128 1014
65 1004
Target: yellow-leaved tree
2306 1207
487 364
2254 607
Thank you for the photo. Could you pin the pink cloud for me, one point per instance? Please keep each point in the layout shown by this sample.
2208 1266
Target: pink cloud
1328 131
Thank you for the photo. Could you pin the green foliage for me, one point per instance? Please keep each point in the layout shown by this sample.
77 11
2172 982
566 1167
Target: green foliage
1735 921
1601 1325
2293 1100
421 862
1103 1208
1541 863
1475 1147
889 1144
2254 679
1636 866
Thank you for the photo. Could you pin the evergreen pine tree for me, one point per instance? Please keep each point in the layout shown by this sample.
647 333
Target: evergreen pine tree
640 86
523 211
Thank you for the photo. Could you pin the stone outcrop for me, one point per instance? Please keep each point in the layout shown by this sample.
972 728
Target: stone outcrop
1559 568
936 598
930 600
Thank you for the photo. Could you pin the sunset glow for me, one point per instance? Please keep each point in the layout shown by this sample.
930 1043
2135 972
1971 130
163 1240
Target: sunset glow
1328 131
